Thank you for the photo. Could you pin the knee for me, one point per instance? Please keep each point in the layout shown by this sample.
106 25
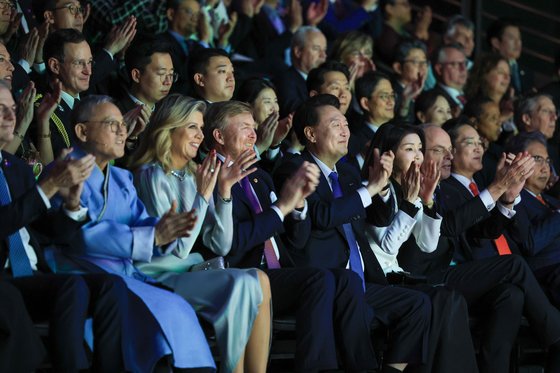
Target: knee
511 297
350 281
265 285
76 285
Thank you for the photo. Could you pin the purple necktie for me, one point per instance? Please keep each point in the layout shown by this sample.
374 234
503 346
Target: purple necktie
269 254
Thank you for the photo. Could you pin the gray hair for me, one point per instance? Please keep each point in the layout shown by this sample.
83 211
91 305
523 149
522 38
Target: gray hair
523 140
441 52
84 110
527 105
457 20
299 38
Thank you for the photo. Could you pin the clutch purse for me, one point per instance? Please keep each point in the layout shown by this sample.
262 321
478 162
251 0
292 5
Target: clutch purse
214 263
405 278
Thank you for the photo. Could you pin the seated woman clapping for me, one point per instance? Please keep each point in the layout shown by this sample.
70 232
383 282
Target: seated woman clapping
235 301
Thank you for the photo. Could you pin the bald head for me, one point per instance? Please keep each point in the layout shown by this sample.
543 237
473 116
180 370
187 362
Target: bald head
438 148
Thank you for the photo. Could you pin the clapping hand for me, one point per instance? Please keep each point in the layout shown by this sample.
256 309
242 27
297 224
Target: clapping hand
174 225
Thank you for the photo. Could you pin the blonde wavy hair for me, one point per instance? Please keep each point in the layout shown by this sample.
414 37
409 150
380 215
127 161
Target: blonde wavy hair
171 112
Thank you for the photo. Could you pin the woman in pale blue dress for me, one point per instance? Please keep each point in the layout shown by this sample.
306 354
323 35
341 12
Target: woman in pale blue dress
235 301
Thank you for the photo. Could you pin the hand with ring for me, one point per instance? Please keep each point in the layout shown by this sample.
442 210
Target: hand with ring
207 174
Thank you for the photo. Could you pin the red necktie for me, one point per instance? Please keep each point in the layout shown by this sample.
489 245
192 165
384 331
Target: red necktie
541 200
501 243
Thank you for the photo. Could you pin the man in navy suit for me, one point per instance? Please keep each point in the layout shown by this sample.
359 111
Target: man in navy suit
329 311
309 50
63 300
539 237
336 238
478 219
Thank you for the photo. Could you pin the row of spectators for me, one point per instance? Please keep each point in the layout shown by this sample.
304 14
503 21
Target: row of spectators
354 170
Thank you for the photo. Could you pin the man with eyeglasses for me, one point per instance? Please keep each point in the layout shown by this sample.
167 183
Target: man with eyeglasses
411 70
450 68
152 74
497 288
539 238
63 14
537 113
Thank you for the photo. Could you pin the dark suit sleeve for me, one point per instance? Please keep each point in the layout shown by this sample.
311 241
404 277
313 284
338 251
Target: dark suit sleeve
534 232
104 65
21 212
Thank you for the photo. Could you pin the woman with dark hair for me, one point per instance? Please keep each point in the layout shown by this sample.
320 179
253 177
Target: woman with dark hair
235 301
411 194
261 95
490 77
431 107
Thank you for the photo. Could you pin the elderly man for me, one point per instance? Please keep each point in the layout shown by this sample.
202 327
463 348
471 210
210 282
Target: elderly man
329 312
62 300
500 286
539 238
308 50
450 68
120 231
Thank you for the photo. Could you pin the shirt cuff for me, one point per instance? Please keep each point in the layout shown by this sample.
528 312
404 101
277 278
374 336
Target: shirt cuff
300 215
25 65
271 154
109 53
365 197
280 215
505 211
487 199
79 215
44 197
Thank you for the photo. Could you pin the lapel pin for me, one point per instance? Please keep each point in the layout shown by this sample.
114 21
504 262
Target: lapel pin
255 180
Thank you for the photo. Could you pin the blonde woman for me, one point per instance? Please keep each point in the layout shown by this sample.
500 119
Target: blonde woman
235 301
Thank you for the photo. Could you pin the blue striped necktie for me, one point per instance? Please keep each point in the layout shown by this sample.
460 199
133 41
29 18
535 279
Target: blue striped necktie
355 262
19 261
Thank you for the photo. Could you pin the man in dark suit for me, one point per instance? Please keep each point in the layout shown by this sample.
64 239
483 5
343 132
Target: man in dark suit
183 18
69 61
336 237
308 51
329 312
504 37
450 69
538 237
500 288
64 301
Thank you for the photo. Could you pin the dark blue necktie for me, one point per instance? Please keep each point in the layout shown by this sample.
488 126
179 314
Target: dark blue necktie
19 261
515 77
355 262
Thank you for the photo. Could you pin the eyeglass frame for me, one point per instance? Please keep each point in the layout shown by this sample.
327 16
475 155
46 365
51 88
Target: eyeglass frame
8 5
174 77
542 160
78 9
111 124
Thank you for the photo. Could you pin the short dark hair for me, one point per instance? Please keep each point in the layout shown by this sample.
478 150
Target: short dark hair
139 54
452 126
316 77
199 61
520 142
404 48
250 89
497 28
366 84
308 114
473 108
54 45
